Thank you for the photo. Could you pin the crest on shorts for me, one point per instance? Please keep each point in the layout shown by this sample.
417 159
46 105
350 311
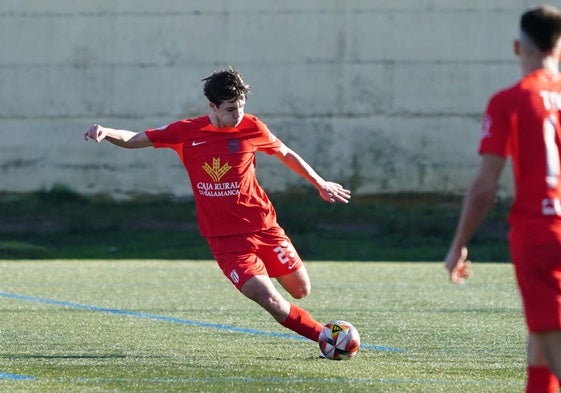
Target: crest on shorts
234 276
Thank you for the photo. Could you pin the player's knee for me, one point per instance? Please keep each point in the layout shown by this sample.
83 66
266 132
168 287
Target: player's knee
301 291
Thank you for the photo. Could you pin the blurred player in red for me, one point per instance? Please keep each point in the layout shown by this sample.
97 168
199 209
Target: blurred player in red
523 122
233 211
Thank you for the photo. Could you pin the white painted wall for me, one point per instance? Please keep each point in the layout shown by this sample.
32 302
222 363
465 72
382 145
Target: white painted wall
381 95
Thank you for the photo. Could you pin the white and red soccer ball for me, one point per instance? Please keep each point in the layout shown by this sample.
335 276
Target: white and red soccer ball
339 340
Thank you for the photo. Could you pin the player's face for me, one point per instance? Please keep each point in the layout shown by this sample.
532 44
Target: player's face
228 113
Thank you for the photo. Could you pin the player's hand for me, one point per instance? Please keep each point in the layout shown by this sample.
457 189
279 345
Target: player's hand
333 192
458 266
96 133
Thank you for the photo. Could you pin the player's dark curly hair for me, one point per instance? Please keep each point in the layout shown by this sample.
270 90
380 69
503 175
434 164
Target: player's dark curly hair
225 85
543 26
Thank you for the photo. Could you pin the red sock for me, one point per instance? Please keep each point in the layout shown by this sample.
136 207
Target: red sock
300 321
541 380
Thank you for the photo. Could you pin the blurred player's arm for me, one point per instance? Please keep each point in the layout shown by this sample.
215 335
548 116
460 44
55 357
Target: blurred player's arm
477 202
329 191
122 138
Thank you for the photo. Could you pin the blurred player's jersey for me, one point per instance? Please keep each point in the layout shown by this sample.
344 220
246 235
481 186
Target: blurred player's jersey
221 166
523 122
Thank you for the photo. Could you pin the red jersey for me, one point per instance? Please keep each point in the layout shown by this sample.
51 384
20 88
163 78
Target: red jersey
221 166
523 122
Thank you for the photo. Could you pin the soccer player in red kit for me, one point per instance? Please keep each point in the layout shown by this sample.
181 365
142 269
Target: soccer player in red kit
233 211
523 122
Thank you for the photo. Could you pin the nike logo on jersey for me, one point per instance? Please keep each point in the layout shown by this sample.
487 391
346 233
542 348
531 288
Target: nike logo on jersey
195 143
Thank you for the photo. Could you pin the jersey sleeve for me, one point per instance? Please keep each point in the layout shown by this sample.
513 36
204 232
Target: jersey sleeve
267 142
167 136
495 128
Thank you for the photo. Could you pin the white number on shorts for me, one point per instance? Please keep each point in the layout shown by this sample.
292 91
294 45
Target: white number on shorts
285 252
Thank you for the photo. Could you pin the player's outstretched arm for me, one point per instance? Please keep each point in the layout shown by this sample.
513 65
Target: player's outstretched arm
329 191
122 138
478 201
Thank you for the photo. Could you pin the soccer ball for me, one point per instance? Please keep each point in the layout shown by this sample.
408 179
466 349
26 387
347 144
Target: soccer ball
339 340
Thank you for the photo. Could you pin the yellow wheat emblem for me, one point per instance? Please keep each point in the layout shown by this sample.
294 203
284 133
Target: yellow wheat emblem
216 171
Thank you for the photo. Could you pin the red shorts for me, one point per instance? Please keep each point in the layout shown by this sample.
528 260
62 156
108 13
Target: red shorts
241 257
538 272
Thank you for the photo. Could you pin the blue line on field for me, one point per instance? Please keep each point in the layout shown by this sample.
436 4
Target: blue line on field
174 320
17 377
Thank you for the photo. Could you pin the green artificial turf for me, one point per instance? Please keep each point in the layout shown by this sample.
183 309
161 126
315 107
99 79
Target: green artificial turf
180 326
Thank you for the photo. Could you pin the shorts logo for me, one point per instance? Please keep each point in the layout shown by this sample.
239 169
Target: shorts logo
216 171
234 145
234 276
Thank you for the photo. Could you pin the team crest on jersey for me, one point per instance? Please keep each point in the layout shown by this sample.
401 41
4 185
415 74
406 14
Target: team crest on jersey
218 188
234 145
216 171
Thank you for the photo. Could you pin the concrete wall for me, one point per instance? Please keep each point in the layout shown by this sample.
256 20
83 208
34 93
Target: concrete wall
381 95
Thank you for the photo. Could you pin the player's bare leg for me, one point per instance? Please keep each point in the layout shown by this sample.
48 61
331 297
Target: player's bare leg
261 290
543 362
544 349
296 283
